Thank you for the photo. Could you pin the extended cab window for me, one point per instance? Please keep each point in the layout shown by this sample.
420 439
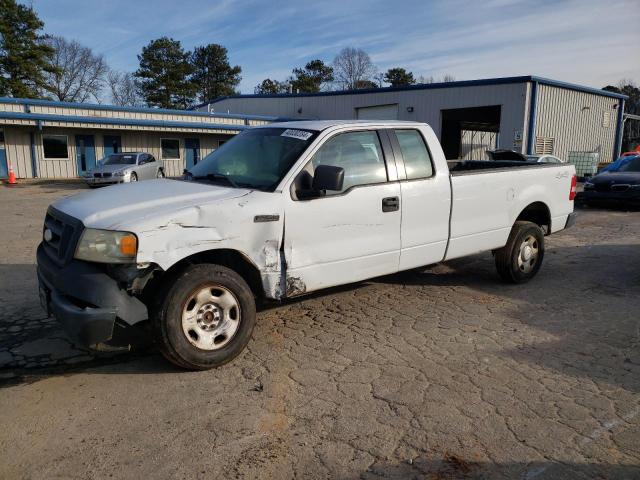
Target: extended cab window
359 153
417 161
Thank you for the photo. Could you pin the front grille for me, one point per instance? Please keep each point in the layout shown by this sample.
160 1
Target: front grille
106 175
65 232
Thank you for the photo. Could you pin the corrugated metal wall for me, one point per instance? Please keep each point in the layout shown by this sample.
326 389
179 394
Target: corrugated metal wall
426 104
18 148
577 121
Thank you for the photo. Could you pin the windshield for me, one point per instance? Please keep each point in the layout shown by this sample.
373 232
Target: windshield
257 158
120 159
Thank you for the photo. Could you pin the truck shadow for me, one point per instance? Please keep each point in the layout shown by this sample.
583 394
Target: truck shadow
579 294
453 467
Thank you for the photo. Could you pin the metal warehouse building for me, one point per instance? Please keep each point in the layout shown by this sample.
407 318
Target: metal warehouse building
529 114
46 139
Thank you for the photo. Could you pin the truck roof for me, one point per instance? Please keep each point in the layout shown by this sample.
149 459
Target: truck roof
324 124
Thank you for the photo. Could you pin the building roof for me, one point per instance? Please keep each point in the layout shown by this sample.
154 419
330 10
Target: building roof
115 108
42 119
432 86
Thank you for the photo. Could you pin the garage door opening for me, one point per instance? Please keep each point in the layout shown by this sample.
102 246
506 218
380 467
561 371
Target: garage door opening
378 112
468 132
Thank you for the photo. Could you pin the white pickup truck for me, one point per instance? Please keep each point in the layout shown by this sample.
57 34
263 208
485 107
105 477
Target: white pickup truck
279 211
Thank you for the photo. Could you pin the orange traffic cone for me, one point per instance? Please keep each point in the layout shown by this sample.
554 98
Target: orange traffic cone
12 176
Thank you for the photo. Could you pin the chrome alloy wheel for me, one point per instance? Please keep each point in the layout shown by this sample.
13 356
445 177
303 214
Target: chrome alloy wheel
211 317
528 254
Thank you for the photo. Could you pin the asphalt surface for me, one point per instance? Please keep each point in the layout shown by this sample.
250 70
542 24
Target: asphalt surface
443 373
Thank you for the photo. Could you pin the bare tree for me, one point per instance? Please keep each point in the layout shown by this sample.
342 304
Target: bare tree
431 79
123 88
77 75
353 67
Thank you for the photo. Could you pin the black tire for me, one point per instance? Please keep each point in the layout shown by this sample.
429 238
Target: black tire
160 173
511 265
167 317
133 177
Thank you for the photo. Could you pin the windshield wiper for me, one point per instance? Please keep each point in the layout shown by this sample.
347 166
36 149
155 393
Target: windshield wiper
217 176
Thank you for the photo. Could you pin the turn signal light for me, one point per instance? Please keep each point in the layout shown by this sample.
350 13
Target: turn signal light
128 245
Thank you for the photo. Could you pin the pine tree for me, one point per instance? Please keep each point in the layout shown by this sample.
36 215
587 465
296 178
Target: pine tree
24 57
213 76
164 74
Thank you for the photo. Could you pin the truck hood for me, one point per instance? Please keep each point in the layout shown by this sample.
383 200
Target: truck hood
115 207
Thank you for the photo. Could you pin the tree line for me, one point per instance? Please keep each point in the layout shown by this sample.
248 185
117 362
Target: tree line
36 65
351 69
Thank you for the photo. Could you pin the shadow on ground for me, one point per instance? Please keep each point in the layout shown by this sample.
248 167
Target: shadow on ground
576 308
452 467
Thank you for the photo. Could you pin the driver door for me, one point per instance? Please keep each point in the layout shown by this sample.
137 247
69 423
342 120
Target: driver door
349 235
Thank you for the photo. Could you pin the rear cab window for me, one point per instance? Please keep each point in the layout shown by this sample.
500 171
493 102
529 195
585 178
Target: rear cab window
416 156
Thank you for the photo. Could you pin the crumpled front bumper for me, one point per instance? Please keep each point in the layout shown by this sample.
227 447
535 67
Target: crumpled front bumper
85 300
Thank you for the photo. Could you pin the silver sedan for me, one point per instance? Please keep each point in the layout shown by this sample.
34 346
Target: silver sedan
125 167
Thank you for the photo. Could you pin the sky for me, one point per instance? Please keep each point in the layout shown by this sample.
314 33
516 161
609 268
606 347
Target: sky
589 42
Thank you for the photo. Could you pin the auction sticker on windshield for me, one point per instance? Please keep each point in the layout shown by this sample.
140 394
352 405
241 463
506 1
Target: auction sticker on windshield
299 134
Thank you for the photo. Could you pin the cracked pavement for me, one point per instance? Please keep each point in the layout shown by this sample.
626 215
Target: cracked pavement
441 373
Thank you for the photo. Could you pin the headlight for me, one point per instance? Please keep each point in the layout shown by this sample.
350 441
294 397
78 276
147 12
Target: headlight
106 246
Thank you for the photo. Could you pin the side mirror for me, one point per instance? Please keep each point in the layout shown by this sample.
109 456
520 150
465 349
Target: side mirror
327 177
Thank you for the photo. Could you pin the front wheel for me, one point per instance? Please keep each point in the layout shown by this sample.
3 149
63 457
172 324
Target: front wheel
206 317
520 259
133 177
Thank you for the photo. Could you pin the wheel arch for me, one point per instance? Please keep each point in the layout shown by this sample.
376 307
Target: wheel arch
233 259
538 213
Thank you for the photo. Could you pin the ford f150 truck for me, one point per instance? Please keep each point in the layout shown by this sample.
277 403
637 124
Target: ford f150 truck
279 211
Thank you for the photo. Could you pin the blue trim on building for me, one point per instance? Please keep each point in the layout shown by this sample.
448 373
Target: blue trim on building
39 118
431 86
34 161
619 130
533 115
93 106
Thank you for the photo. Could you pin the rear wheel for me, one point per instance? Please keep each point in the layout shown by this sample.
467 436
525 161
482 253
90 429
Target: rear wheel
160 174
520 259
206 317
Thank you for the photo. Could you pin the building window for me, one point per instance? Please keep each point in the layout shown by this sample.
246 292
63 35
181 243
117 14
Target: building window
55 146
544 145
170 148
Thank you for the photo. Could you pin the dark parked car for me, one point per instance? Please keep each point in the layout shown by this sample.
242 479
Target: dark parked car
619 182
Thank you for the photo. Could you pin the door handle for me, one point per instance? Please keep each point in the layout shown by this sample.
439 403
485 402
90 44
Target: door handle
390 204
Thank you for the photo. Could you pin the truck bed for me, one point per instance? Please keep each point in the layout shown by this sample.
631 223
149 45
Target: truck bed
457 167
488 197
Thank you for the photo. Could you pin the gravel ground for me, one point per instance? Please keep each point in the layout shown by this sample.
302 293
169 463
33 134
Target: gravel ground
443 373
